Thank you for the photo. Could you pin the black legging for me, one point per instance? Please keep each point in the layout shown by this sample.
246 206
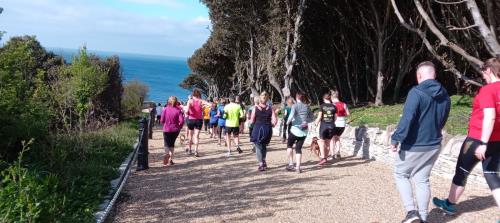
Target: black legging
467 160
286 129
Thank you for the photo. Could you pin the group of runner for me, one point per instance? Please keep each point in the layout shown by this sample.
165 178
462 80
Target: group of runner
225 118
416 140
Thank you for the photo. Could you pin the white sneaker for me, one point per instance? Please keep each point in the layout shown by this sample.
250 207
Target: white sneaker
228 154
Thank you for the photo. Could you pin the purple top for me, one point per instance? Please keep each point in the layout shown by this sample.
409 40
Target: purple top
172 119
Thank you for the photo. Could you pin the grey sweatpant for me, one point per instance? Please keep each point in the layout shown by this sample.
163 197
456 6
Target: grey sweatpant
415 164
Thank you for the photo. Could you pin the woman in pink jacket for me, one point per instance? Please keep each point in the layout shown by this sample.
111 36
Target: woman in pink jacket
172 120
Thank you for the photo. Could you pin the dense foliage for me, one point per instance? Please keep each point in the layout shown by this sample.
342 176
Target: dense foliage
367 50
67 114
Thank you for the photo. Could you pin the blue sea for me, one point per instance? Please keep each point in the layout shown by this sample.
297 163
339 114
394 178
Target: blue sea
161 73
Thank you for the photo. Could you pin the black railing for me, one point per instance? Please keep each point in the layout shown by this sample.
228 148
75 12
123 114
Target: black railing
141 154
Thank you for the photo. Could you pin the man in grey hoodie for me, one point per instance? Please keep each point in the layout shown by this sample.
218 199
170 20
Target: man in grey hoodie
419 134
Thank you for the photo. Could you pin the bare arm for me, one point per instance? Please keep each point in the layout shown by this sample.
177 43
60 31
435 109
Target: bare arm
346 110
488 123
252 116
274 119
318 119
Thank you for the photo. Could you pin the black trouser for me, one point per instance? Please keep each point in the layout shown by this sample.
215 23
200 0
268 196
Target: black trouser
286 129
298 141
467 160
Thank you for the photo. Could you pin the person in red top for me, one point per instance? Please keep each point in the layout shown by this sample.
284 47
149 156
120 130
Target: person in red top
195 120
340 122
172 120
482 142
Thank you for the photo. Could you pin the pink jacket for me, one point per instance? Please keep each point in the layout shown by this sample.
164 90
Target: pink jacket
172 119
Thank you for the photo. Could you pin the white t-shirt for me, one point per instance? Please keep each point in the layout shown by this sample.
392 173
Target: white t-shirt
159 110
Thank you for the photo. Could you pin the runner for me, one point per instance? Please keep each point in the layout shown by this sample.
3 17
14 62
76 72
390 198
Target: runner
213 120
264 118
341 115
326 122
159 111
195 120
244 118
299 117
206 117
233 113
221 125
172 120
482 142
286 113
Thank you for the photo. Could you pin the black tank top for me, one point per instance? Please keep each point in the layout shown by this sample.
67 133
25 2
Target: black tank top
263 116
328 110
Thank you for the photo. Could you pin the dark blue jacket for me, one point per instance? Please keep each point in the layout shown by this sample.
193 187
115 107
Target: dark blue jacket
424 116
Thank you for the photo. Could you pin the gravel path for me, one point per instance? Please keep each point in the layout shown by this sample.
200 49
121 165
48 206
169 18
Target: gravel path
214 188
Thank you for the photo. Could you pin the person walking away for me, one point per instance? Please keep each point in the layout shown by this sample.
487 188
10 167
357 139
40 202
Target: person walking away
206 117
340 122
264 119
419 134
172 120
326 122
195 120
299 118
159 111
249 116
483 140
221 129
244 118
286 114
213 120
233 113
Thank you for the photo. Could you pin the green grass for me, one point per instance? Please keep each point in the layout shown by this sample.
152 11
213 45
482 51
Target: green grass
69 175
390 114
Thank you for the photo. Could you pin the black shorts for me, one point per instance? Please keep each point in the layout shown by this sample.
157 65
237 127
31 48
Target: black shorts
158 117
234 130
194 124
337 131
467 161
213 125
206 122
298 141
169 139
326 131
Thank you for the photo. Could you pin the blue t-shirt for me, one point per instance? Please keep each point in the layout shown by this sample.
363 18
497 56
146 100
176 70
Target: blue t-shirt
222 121
213 118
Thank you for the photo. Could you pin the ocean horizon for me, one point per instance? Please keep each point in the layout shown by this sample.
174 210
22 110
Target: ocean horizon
162 74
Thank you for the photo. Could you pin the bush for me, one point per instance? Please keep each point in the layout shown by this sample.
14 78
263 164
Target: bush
134 94
65 179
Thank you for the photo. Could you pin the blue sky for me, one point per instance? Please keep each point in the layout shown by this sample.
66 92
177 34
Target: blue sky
157 27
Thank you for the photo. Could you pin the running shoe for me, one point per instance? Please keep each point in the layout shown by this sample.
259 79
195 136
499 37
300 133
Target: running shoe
172 162
322 161
228 154
264 164
298 170
239 150
261 168
444 205
337 156
290 167
412 217
196 154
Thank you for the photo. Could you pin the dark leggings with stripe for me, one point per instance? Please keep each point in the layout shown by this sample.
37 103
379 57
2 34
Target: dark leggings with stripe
467 161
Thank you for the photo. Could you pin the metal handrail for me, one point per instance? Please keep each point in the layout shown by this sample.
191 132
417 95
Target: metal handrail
143 135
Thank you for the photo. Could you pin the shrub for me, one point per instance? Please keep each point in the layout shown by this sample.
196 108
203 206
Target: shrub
134 95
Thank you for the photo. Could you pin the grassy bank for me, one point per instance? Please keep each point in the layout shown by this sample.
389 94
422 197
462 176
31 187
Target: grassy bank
390 114
65 178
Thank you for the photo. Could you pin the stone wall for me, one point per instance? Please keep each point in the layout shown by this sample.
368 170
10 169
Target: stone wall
373 143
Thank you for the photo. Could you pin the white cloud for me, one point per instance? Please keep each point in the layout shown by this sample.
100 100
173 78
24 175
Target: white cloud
70 23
